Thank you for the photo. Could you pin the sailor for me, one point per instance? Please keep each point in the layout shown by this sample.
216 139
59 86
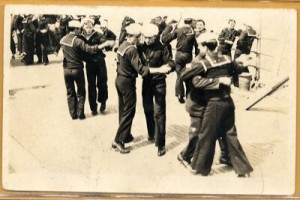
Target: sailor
218 117
96 70
227 37
154 54
128 68
184 50
73 48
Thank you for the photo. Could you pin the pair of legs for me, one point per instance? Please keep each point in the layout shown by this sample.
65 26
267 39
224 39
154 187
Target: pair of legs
188 152
97 79
126 89
20 42
42 43
154 103
28 48
218 121
181 59
76 100
12 46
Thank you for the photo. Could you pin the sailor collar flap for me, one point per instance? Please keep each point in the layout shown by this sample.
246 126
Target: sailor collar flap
251 32
219 61
68 40
123 48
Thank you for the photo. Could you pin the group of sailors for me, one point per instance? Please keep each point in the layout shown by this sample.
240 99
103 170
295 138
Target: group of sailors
39 34
203 82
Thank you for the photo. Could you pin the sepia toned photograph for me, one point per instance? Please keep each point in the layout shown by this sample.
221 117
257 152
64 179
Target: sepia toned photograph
149 100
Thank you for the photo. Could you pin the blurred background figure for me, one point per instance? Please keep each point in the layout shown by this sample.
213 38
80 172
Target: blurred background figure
42 40
18 27
28 40
200 30
61 29
186 40
227 37
12 33
245 41
126 22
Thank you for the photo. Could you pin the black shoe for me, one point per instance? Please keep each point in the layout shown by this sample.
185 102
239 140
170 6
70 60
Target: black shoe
181 99
182 161
118 146
82 116
151 139
103 107
46 63
243 175
74 117
161 151
39 62
94 113
129 139
225 160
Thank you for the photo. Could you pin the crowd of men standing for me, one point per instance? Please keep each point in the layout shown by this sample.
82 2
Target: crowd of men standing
202 62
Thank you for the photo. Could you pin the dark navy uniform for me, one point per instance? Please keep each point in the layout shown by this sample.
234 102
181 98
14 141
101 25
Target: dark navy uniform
128 68
73 49
28 40
12 42
96 70
154 88
184 51
244 43
42 41
218 120
224 48
195 102
243 46
18 26
61 30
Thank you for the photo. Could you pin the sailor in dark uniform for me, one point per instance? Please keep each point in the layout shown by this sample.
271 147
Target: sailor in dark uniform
154 54
28 40
196 103
218 117
61 30
227 37
184 51
245 41
73 49
18 26
95 64
128 68
42 40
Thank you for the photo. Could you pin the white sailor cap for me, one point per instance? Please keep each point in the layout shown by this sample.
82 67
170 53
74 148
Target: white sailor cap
87 19
74 24
149 30
134 29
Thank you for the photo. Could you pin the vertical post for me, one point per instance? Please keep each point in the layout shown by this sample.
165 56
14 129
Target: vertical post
258 56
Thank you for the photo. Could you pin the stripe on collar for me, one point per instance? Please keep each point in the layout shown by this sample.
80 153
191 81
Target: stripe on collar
124 51
66 44
213 64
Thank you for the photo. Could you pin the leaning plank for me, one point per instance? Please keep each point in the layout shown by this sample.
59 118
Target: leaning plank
269 92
